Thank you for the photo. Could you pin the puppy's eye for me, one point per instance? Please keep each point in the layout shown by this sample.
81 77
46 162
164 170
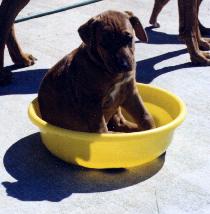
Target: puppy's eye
108 39
128 40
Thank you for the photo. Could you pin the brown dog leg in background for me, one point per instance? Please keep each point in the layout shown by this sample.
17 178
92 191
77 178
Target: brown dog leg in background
9 9
158 6
16 53
188 28
189 31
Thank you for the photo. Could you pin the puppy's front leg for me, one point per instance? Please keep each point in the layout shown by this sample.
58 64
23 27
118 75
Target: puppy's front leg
135 107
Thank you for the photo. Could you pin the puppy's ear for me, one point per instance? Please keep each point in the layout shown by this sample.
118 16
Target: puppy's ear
86 31
137 26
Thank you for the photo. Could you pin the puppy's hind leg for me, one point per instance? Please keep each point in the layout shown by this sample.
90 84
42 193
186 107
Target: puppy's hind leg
119 124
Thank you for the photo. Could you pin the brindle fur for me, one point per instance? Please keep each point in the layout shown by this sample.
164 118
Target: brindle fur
85 90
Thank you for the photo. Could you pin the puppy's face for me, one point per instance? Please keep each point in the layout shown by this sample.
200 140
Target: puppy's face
115 44
111 36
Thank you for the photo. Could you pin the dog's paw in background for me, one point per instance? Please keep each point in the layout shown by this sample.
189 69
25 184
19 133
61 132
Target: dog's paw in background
154 23
24 60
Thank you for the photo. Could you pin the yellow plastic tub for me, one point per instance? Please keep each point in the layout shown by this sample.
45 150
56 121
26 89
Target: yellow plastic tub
120 150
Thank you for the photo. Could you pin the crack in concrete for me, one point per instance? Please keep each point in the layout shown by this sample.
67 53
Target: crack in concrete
158 210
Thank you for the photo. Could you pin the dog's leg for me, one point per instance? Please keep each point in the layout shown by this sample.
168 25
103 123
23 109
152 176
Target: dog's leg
9 9
119 124
158 6
188 29
135 107
17 55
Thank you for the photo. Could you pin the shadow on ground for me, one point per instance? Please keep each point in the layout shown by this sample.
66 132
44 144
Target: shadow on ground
23 82
156 37
146 72
41 176
27 82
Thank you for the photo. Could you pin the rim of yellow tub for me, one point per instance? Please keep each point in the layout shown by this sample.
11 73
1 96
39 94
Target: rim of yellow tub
116 136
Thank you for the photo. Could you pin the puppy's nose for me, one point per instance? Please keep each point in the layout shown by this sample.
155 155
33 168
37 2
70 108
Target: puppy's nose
123 64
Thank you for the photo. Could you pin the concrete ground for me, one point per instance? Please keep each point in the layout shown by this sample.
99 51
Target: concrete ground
33 181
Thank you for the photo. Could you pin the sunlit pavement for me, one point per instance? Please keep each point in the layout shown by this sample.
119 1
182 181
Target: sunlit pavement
33 181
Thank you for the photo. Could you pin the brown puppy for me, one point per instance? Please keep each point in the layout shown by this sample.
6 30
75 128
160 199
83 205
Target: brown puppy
84 91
